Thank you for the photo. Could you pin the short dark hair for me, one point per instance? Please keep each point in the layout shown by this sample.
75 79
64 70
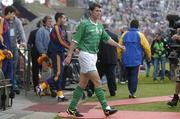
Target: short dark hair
92 6
134 24
10 9
58 15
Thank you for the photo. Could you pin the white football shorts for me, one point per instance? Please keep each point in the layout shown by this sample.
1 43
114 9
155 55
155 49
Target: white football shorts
87 62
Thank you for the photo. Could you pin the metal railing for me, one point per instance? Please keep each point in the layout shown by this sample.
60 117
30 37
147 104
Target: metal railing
23 73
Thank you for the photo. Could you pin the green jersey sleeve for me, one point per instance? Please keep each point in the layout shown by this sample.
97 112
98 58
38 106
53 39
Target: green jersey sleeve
79 32
105 37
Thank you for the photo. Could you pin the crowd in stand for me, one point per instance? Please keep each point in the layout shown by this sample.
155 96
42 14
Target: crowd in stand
150 13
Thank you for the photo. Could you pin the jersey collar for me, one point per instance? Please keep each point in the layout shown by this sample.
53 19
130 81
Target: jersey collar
92 21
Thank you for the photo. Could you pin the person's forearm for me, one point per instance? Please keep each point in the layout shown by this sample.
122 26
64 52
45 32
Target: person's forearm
113 43
71 49
176 37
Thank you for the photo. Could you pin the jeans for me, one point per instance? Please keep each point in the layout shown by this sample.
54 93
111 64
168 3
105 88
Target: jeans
14 63
158 61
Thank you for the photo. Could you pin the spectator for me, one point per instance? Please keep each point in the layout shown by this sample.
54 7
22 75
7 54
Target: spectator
42 42
17 35
34 55
159 56
42 36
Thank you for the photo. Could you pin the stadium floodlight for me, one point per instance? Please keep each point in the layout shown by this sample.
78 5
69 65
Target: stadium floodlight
7 2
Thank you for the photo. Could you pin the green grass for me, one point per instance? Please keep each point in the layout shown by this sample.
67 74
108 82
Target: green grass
146 88
155 107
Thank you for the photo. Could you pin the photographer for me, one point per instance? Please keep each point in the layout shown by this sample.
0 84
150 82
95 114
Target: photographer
159 56
176 40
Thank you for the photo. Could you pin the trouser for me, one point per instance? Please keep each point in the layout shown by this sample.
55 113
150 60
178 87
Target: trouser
148 66
35 70
121 72
156 67
67 73
8 71
132 76
109 71
14 63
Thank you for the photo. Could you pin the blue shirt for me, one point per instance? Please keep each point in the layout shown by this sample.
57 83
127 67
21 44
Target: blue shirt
42 40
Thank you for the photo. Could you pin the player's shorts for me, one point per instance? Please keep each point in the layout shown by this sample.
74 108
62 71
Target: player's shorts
87 62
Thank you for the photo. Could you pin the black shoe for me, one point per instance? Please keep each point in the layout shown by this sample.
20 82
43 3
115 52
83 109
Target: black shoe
16 90
12 94
132 96
74 113
113 94
174 101
89 93
62 99
53 93
110 111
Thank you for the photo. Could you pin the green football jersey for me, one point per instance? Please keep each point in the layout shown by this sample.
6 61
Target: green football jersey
89 35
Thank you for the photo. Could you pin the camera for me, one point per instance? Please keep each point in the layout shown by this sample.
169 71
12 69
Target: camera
174 51
174 46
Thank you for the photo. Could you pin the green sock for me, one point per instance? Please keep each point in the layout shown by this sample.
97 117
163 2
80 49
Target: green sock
76 97
101 97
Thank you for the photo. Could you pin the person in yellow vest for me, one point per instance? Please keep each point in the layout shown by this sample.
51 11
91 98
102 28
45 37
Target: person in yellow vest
5 54
4 46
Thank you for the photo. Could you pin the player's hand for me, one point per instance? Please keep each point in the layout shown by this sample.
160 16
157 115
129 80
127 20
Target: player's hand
56 78
149 59
76 51
123 48
43 55
8 54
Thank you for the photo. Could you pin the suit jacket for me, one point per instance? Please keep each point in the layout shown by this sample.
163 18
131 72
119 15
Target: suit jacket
31 43
108 54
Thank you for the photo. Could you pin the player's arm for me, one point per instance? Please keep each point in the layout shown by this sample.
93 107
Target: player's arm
60 39
70 52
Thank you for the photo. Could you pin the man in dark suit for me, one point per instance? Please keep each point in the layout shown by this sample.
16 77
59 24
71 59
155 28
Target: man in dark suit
106 64
34 55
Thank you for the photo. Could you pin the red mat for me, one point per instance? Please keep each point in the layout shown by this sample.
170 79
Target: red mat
57 108
98 114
